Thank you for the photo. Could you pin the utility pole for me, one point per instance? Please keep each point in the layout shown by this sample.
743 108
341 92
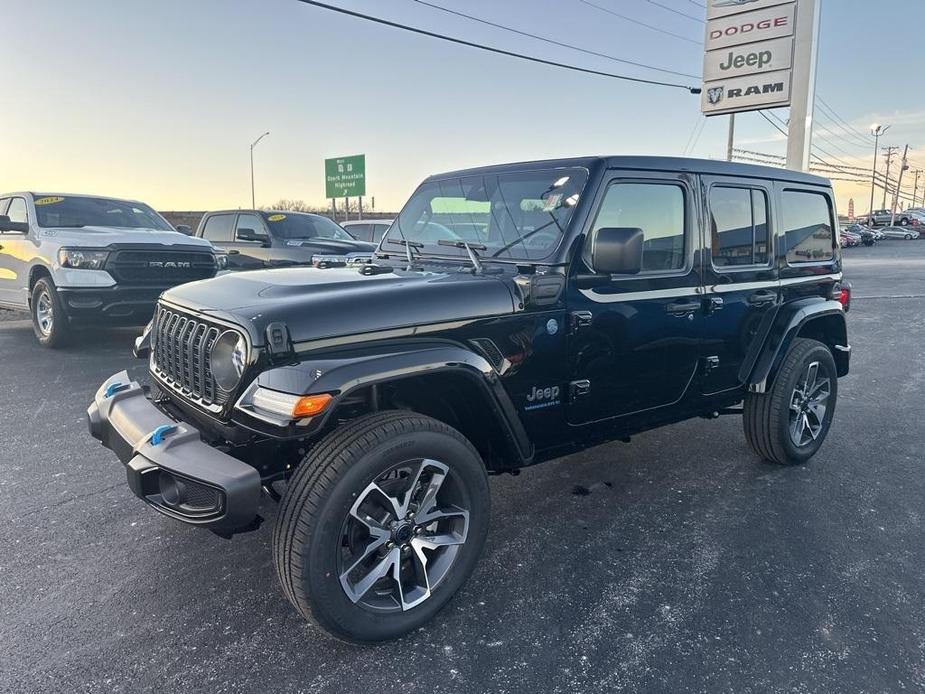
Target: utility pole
876 130
899 184
803 92
889 161
915 192
732 136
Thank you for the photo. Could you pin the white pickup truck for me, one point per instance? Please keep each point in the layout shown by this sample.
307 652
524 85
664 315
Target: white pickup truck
78 260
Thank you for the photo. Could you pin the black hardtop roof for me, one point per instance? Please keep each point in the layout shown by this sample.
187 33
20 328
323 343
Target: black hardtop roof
647 163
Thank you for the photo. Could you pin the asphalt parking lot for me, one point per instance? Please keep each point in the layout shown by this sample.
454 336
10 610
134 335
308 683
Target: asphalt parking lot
678 563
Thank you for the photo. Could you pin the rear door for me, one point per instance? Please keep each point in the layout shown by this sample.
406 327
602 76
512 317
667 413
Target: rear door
634 340
741 278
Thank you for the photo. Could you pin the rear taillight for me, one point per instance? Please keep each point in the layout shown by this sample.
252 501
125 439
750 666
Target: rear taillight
842 294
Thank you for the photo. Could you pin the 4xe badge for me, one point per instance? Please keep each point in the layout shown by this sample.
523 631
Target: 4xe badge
539 398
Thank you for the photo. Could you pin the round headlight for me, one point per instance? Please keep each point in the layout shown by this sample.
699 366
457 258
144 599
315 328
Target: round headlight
229 355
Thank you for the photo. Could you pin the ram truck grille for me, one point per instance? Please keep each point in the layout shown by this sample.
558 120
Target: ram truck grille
160 267
180 357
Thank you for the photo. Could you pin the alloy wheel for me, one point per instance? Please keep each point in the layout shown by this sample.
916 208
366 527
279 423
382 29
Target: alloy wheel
402 536
45 313
808 406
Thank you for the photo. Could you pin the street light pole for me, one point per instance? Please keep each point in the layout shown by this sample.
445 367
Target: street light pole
876 130
254 144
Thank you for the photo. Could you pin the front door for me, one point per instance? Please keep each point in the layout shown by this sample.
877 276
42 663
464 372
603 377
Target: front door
634 342
740 277
16 251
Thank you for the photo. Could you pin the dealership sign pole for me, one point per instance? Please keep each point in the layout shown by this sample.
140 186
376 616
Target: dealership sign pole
760 54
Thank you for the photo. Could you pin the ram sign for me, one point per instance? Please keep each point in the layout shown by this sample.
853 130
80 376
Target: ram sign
749 55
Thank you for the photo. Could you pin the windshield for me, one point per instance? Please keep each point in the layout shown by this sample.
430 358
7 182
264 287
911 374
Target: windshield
291 225
80 211
512 216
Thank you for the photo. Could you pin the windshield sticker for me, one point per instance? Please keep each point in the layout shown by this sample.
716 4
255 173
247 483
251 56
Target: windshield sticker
50 200
276 217
551 202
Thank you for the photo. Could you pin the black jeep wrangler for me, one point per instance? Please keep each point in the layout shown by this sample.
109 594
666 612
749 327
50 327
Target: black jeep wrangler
511 315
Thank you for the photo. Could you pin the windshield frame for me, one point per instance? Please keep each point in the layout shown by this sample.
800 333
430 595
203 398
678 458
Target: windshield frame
387 245
147 209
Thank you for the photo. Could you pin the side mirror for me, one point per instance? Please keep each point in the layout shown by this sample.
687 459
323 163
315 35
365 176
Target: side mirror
617 251
185 229
245 234
7 225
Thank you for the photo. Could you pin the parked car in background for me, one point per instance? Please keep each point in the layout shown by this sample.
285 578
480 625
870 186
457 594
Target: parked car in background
848 240
866 236
879 218
371 230
911 217
79 260
254 239
907 233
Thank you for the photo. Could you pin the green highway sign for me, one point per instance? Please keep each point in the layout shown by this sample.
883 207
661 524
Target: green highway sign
345 177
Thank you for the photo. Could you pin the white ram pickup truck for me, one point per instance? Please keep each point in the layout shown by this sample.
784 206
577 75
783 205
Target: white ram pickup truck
74 261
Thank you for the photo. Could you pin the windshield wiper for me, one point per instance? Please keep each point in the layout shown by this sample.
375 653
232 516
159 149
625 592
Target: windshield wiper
471 249
408 246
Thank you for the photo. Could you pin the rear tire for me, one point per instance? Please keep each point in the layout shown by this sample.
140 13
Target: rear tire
49 322
382 522
788 424
908 237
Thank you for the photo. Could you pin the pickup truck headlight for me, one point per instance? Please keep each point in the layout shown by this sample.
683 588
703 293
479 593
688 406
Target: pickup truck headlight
228 356
82 259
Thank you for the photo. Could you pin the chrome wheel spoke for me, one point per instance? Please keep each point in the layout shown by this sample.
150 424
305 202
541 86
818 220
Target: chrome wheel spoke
797 426
418 589
810 381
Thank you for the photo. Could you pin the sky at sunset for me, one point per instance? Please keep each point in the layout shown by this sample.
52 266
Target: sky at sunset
159 101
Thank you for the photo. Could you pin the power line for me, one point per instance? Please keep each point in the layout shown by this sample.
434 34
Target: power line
636 21
487 22
678 12
776 126
492 49
847 125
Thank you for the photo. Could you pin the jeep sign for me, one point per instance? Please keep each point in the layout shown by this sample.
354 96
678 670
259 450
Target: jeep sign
749 55
768 90
750 59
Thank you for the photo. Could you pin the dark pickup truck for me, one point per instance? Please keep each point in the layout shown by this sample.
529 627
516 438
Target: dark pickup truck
587 300
257 239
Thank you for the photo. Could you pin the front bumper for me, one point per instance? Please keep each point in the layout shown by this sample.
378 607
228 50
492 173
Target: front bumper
174 471
109 305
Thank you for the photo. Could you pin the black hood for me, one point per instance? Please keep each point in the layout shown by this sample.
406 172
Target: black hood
324 303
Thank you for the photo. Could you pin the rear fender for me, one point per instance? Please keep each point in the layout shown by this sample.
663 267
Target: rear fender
821 320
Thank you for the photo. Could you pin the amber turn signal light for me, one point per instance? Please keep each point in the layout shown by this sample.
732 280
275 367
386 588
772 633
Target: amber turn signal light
311 405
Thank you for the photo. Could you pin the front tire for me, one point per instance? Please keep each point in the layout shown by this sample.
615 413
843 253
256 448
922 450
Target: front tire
382 522
788 424
49 322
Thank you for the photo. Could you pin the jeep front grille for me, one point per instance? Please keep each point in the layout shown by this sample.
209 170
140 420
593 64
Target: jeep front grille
160 267
180 353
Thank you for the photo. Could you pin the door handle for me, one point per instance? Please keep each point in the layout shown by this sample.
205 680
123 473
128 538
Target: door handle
762 298
682 308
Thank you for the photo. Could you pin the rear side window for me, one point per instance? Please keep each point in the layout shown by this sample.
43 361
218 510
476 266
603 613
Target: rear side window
219 227
359 231
739 227
17 210
657 209
3 203
809 231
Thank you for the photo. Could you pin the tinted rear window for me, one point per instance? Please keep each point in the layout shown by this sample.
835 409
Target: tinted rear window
808 227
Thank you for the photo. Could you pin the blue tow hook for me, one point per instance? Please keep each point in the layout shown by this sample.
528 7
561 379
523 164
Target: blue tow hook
114 388
157 436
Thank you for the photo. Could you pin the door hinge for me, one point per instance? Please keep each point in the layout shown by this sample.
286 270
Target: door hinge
579 320
578 389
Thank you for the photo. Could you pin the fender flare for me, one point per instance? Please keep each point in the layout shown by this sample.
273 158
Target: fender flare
790 320
344 371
